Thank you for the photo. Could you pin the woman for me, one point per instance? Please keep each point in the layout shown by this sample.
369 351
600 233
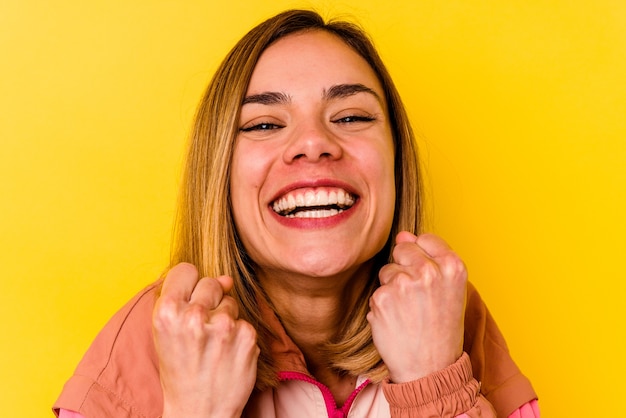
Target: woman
300 285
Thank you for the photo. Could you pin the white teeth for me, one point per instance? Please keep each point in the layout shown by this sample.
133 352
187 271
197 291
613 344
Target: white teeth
319 213
314 199
341 197
309 199
332 196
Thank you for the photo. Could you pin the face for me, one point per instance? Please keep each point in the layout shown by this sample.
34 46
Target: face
312 182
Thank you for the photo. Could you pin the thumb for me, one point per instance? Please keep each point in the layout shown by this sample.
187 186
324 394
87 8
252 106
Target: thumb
405 236
226 282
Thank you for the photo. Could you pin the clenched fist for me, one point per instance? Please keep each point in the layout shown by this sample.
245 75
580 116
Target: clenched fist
417 313
207 355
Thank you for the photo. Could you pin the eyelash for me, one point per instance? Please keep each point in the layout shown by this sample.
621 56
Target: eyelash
265 126
353 119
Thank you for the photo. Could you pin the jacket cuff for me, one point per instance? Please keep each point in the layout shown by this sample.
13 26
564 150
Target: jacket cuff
445 393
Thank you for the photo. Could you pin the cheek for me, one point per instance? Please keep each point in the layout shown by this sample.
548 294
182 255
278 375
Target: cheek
380 165
238 181
248 174
385 180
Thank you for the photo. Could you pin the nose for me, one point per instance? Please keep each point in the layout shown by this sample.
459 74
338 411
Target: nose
312 142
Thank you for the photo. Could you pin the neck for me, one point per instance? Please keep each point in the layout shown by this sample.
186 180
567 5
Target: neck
312 311
312 308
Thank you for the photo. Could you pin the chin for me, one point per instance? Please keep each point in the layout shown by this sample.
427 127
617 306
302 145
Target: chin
324 263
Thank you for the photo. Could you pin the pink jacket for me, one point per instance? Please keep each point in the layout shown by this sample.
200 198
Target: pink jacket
118 377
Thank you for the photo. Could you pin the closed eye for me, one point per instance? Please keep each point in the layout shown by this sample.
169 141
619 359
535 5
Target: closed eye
353 119
264 126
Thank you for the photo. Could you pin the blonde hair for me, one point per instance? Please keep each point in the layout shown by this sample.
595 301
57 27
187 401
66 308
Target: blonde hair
205 234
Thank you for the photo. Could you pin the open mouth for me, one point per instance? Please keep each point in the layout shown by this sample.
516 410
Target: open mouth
322 202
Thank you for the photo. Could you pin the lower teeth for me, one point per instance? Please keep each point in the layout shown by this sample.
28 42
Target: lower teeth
320 213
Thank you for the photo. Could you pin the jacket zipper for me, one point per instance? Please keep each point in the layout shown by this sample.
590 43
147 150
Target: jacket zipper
331 406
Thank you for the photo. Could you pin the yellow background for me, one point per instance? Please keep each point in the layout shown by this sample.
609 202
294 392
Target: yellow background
521 110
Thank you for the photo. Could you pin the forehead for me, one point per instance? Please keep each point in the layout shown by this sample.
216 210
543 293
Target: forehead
313 58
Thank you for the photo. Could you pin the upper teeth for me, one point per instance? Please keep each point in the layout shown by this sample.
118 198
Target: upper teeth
314 198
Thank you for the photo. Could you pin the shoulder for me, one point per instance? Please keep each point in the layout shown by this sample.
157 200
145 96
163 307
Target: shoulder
118 375
502 382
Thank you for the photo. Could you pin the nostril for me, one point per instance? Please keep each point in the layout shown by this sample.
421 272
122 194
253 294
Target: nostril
307 156
313 156
312 146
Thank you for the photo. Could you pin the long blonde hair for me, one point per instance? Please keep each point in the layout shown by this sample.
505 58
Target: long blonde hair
205 234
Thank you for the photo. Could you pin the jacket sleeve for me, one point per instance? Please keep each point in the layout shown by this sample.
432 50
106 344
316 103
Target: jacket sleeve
64 413
118 376
450 392
528 410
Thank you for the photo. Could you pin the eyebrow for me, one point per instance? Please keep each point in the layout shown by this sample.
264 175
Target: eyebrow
340 91
337 91
268 98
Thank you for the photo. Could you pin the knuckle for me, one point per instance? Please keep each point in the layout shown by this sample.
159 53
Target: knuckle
192 322
247 333
388 272
397 251
427 274
384 271
229 302
194 316
223 324
453 266
380 298
164 313
405 281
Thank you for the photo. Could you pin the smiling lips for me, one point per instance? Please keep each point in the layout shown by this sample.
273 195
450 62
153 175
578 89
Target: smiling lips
320 202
